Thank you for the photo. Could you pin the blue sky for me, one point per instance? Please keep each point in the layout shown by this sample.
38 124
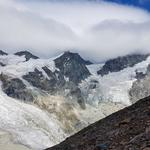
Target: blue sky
145 4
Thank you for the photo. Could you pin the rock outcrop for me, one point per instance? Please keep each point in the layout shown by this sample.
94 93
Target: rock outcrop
120 63
124 130
15 88
3 53
37 79
27 55
69 72
72 66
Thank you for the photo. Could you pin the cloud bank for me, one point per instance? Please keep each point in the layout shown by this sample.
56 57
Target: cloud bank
97 30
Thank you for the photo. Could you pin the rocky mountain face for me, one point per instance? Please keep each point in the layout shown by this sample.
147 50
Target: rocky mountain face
27 55
67 90
3 53
120 63
71 71
73 67
69 75
15 88
126 129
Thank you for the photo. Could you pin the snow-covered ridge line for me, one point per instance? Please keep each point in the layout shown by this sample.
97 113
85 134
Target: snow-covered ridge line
114 86
18 66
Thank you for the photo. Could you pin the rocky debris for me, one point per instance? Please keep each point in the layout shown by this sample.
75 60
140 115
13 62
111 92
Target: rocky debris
3 53
72 66
15 88
127 129
120 63
71 70
27 55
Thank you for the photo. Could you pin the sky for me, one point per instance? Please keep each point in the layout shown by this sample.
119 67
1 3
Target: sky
144 4
97 29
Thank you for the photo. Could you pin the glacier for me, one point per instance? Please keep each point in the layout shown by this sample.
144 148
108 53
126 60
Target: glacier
46 121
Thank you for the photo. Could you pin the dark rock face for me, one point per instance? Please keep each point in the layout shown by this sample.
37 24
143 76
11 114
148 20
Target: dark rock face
38 80
120 63
128 129
55 84
15 88
27 55
3 53
1 64
71 65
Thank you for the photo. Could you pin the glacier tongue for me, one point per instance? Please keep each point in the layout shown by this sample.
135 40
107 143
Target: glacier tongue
38 129
28 124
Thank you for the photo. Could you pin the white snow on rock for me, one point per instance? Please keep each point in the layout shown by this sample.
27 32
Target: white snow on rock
37 129
112 87
16 66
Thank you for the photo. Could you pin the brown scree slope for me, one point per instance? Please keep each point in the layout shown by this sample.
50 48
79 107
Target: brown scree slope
127 129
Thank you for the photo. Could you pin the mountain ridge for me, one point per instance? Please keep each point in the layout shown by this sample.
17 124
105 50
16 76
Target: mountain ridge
65 92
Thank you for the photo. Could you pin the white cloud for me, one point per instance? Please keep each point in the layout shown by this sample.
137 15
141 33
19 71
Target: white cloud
96 30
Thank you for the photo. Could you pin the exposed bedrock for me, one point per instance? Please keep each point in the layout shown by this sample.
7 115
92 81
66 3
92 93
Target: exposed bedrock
72 66
120 63
38 80
70 71
3 53
15 88
27 55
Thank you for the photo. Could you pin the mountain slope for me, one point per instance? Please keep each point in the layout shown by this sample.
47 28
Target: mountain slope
126 129
56 97
42 104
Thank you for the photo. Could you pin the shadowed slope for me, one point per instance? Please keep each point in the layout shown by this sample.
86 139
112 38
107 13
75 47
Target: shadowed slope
126 129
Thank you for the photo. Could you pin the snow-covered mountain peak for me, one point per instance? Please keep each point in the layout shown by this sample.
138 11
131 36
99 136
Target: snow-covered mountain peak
58 96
